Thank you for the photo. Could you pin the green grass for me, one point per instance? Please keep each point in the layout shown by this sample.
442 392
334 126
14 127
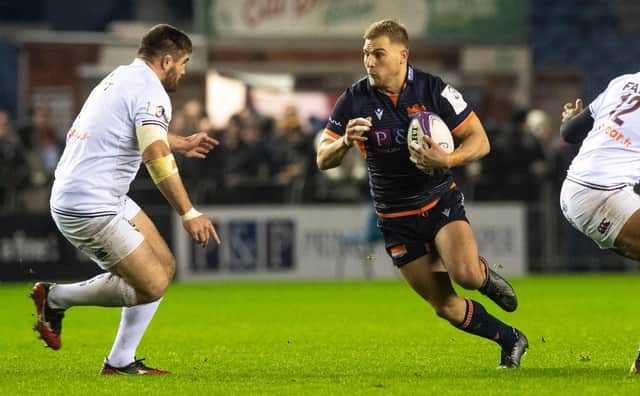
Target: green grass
349 338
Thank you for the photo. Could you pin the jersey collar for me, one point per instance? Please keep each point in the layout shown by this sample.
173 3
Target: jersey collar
141 62
409 74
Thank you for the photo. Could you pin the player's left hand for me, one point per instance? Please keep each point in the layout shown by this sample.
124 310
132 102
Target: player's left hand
570 110
198 145
429 157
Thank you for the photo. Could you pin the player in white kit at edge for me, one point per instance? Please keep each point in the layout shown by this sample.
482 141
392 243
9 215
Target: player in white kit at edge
123 122
598 196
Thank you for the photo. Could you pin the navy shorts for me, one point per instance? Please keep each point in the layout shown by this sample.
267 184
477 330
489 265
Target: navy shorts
410 237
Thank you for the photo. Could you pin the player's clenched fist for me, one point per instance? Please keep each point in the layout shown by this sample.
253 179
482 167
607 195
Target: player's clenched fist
356 128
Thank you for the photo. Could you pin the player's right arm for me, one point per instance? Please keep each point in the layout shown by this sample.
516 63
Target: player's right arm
340 134
161 164
576 122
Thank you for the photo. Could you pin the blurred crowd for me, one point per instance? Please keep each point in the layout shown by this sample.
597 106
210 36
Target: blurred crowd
264 159
28 157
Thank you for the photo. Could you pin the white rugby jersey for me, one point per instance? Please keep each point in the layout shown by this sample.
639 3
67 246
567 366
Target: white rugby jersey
610 154
101 156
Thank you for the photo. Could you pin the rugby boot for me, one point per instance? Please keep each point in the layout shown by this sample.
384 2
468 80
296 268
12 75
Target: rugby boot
511 354
49 323
498 289
135 368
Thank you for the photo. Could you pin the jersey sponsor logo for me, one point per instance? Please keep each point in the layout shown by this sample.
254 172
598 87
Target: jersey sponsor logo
379 112
446 212
614 134
604 226
76 134
389 136
454 98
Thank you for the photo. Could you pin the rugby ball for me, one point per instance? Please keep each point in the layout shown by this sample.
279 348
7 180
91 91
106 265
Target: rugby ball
430 124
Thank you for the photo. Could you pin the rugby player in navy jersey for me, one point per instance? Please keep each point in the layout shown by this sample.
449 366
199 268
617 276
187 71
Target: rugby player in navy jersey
421 213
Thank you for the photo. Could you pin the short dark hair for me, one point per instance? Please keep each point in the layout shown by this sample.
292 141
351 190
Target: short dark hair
396 31
164 39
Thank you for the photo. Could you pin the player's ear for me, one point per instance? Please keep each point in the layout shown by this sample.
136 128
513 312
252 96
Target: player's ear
404 55
166 61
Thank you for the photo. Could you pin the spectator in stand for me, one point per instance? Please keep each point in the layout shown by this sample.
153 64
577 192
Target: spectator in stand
516 166
43 149
242 160
13 172
288 156
40 137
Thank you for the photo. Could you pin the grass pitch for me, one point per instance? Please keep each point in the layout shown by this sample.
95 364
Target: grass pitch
365 338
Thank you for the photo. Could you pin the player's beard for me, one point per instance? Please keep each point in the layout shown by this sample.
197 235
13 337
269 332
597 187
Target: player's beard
170 82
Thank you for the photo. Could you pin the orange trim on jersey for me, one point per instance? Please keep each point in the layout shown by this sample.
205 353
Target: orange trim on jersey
360 145
416 108
409 212
415 211
394 99
464 123
363 151
332 134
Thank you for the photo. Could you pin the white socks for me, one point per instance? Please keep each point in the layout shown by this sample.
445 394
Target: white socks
106 290
133 324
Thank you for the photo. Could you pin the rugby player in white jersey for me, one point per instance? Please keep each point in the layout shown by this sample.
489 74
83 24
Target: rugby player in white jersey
123 122
598 196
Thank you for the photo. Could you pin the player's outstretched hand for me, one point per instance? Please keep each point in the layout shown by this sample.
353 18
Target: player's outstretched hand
430 156
201 229
570 110
198 145
355 130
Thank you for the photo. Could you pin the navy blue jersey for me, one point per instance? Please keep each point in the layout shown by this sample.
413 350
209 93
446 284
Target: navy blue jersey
397 187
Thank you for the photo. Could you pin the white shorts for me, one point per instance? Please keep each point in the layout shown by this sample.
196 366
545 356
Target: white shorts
105 239
599 214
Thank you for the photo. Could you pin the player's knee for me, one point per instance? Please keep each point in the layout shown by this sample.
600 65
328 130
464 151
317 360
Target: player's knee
154 289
